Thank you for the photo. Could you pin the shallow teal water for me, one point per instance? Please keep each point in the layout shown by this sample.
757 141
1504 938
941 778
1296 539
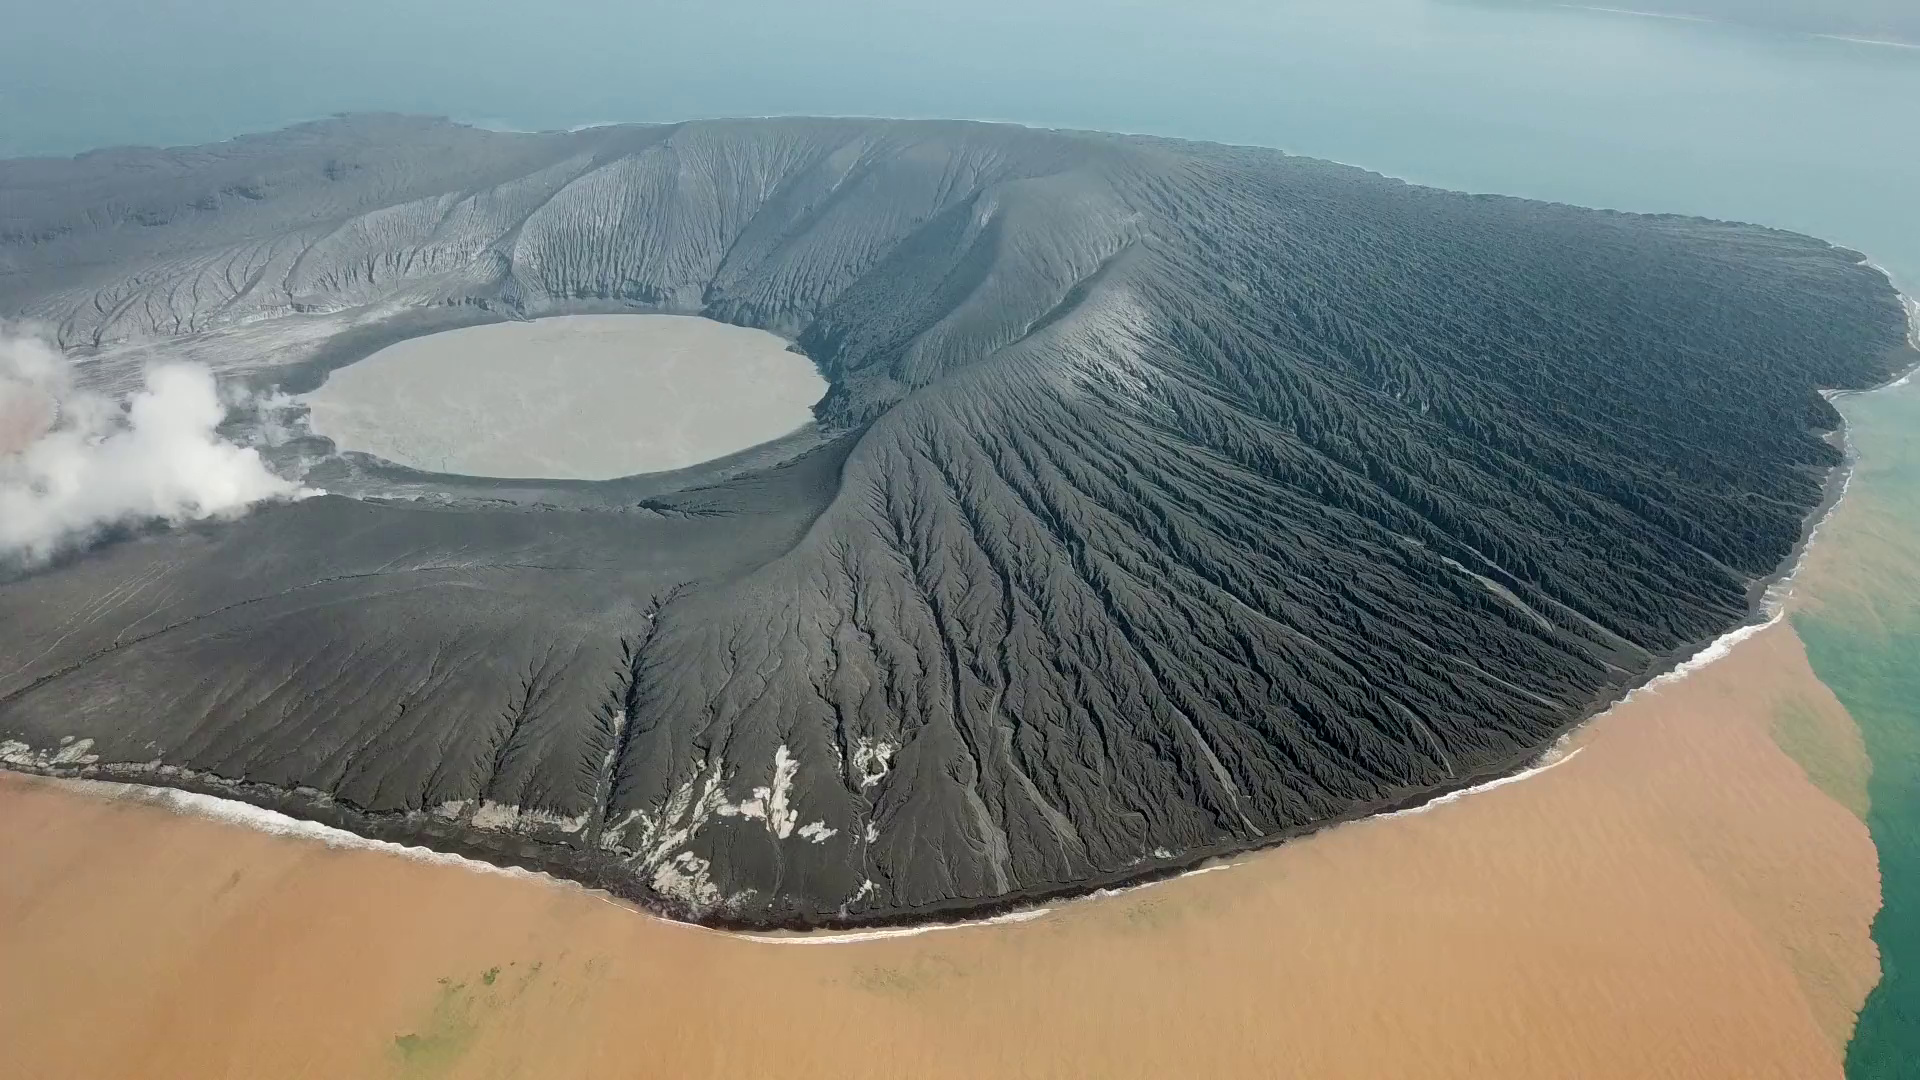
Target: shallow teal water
1527 99
1863 638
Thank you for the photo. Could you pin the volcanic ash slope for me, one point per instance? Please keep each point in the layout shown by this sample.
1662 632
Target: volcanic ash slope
1168 498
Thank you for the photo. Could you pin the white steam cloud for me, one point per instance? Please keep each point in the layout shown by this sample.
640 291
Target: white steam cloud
74 463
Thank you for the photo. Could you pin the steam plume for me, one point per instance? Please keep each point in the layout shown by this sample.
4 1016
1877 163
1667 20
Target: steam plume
73 463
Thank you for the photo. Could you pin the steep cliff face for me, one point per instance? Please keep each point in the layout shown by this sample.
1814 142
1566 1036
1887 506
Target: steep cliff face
1167 498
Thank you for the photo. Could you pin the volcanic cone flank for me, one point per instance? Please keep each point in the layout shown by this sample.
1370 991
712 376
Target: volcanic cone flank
1167 499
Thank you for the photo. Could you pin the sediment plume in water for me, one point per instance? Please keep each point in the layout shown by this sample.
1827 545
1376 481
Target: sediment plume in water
1677 897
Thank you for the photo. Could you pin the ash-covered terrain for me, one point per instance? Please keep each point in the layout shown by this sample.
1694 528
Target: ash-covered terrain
1167 499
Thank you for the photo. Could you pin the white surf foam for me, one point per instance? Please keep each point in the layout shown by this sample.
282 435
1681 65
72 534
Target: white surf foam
1551 760
855 936
1718 649
260 819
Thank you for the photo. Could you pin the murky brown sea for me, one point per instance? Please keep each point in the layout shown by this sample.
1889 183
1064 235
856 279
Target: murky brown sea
1678 900
24 417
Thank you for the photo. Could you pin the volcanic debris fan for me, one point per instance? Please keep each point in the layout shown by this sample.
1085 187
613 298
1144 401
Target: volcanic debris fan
1167 498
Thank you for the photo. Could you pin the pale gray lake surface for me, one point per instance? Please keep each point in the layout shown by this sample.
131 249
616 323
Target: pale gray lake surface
582 397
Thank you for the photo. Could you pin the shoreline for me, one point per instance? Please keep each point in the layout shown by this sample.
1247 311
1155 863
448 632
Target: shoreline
1685 901
417 835
1770 595
1013 910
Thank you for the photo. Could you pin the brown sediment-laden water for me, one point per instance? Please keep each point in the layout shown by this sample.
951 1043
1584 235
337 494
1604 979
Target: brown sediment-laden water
1677 895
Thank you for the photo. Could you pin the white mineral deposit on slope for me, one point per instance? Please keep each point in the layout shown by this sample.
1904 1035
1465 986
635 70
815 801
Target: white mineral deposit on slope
587 397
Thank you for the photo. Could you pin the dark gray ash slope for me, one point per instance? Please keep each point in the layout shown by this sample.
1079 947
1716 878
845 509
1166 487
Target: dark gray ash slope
1168 498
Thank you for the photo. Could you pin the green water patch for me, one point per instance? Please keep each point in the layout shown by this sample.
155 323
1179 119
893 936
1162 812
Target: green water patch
460 1009
1862 635
1876 676
1799 730
445 1036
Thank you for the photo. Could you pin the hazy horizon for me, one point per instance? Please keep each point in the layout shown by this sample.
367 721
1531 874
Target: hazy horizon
1574 104
1889 20
219 68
